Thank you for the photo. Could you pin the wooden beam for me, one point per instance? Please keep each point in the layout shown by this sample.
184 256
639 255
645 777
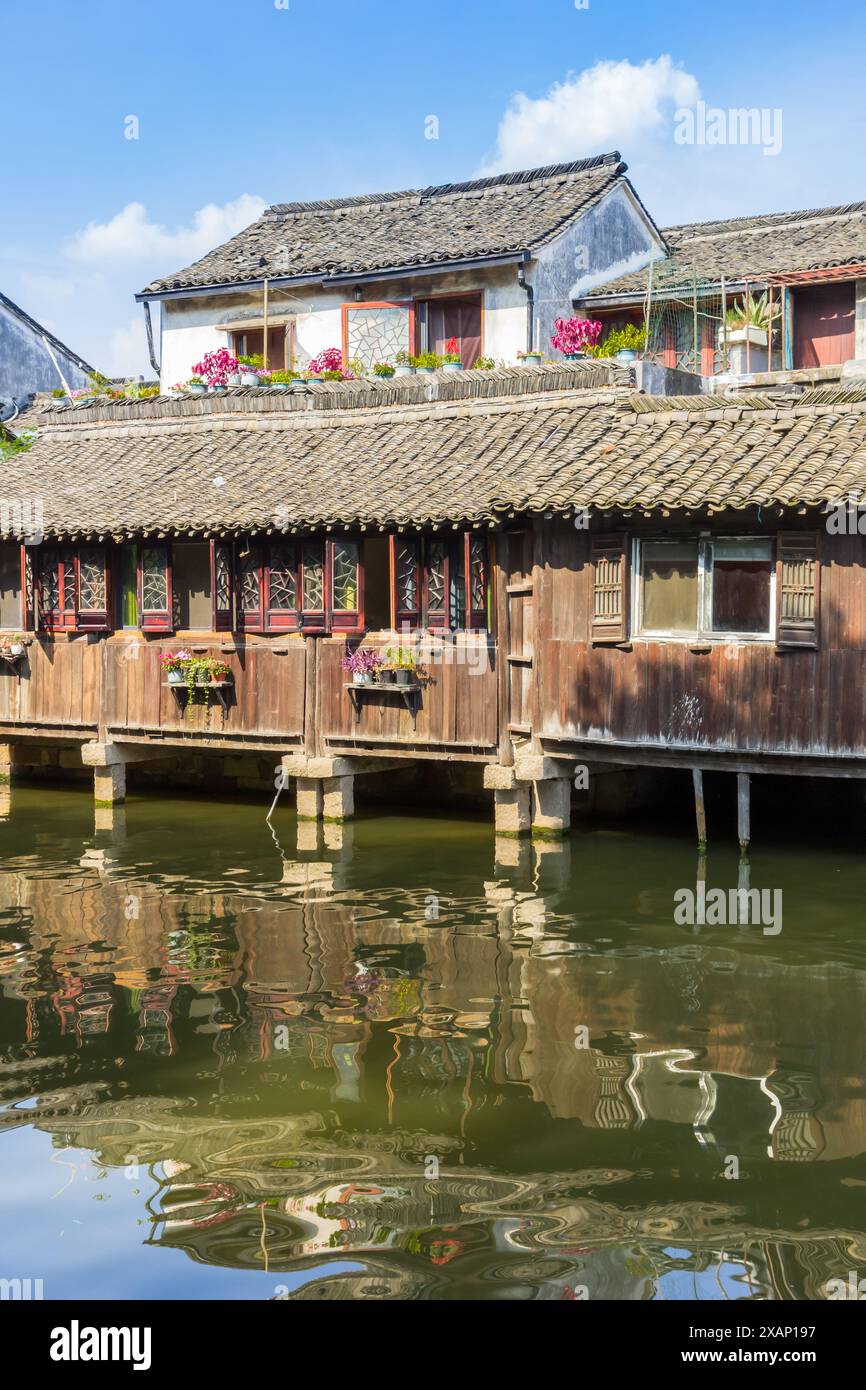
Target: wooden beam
744 789
700 810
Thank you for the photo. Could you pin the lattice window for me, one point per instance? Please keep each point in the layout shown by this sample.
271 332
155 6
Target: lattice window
407 577
345 576
91 580
437 556
478 573
377 332
314 579
251 584
154 580
283 577
222 577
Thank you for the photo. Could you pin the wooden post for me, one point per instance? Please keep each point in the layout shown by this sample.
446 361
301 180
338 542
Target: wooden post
503 676
700 809
743 810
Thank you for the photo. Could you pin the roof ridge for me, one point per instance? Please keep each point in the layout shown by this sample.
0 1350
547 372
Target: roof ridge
797 215
442 190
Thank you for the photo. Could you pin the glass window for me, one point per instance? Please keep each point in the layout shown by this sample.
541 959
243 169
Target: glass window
742 573
669 578
345 576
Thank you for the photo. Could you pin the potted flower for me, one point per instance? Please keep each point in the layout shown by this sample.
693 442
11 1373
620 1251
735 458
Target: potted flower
362 665
383 370
196 386
483 364
426 362
403 365
282 381
215 368
173 664
573 336
328 361
401 665
220 672
16 645
530 359
746 333
60 397
452 361
250 366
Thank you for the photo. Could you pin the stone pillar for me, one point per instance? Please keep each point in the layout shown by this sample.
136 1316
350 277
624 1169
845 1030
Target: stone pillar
109 784
338 798
551 807
512 811
310 798
7 761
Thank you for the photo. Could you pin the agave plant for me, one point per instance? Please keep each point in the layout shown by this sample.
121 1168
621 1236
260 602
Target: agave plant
755 313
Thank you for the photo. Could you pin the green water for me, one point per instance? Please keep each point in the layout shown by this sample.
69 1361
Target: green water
378 1063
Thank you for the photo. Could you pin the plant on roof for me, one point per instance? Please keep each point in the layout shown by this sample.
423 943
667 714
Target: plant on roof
195 381
533 354
753 313
402 358
575 335
59 393
252 359
452 352
426 359
483 364
630 337
282 378
215 367
383 369
330 360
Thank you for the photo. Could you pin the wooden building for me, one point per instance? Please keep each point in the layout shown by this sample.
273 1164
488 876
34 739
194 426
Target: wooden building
588 574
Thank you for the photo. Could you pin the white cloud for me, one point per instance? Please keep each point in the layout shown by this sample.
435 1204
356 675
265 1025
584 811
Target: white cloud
130 237
613 105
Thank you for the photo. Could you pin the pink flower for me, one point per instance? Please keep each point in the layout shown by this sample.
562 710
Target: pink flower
216 367
575 335
330 360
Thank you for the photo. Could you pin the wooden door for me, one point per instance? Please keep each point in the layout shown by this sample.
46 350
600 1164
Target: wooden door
824 325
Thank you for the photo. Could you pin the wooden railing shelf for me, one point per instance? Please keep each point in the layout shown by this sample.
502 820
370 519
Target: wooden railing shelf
411 694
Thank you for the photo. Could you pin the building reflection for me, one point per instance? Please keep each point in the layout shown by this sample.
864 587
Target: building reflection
455 1093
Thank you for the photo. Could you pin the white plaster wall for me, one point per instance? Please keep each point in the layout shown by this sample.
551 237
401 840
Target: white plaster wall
860 321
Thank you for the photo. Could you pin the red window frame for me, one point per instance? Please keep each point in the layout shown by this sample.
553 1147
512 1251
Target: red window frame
68 615
312 621
155 619
460 562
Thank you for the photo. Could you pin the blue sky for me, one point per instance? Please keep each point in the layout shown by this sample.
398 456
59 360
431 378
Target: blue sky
245 102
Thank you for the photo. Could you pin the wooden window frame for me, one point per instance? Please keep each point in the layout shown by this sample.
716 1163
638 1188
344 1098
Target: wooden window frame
309 621
703 630
455 294
64 619
156 619
457 547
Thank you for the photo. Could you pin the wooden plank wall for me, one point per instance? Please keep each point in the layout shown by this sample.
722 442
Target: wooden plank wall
457 705
750 697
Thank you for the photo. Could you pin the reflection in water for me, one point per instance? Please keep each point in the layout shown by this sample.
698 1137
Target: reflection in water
395 1060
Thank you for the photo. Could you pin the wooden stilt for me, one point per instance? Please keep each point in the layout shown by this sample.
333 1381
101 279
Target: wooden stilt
744 832
700 809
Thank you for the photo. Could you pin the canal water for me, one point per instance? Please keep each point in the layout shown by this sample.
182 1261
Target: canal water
400 1060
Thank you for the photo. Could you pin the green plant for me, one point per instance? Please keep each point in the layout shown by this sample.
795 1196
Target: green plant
399 659
629 337
332 375
483 364
254 360
426 359
403 359
195 381
282 378
756 313
58 393
383 369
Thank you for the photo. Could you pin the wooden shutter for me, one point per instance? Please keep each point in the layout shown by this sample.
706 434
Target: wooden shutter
609 610
93 601
154 587
437 584
406 575
57 588
345 586
28 588
249 588
798 589
221 585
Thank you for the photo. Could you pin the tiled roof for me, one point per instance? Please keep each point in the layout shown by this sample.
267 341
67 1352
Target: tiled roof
456 221
560 444
25 318
753 248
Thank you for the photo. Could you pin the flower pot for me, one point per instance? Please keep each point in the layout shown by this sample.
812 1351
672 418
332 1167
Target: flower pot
404 370
175 678
425 371
249 378
383 376
404 677
280 385
17 648
626 355
574 356
218 390
756 354
233 379
362 678
388 677
531 359
452 367
197 388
